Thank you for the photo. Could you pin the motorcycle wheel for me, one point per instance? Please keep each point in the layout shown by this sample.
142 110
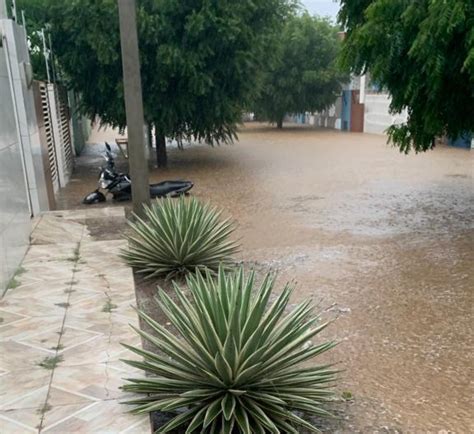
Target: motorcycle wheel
94 197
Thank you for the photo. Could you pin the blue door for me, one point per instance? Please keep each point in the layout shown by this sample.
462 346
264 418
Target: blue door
463 141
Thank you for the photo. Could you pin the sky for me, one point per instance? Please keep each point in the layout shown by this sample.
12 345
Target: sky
322 7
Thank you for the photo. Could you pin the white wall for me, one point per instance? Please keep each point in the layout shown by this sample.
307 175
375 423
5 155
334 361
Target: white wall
377 117
23 192
24 103
330 118
15 222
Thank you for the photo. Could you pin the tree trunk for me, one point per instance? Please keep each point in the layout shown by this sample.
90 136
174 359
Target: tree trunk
161 156
280 123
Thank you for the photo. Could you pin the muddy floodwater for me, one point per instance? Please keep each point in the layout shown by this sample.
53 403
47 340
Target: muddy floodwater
382 241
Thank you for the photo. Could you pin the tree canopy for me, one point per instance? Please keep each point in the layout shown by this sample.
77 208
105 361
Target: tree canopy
36 20
200 59
422 52
305 75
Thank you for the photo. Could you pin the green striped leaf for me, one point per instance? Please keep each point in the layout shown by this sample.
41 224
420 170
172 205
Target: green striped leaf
178 236
234 365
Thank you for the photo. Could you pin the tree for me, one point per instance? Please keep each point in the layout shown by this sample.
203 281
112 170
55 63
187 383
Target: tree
422 52
36 20
200 61
305 75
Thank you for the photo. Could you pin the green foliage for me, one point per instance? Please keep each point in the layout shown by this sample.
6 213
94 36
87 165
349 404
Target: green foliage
44 409
51 362
347 395
200 60
109 306
36 19
20 270
13 283
76 256
236 366
179 236
305 75
422 52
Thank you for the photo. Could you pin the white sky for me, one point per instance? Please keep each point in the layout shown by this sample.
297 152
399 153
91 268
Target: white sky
322 7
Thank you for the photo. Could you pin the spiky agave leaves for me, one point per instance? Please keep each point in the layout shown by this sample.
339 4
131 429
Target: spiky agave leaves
179 236
235 365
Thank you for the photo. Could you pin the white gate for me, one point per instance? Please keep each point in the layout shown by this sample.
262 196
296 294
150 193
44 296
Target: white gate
59 112
64 119
49 136
55 133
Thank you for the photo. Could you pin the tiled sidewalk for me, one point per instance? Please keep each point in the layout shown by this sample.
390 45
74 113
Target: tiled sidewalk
61 329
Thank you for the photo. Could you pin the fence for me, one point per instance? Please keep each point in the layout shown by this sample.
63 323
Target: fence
54 122
60 123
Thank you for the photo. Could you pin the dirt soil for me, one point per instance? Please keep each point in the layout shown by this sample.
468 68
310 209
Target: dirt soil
380 240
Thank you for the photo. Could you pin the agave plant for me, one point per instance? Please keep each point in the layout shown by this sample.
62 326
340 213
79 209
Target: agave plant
179 236
235 366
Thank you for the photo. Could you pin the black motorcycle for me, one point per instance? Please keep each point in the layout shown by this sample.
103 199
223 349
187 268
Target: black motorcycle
120 184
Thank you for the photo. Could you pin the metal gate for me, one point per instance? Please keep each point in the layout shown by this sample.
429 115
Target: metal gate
59 112
45 121
53 116
357 113
352 113
64 127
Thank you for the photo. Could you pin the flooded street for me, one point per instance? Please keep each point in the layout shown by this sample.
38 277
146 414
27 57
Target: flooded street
381 240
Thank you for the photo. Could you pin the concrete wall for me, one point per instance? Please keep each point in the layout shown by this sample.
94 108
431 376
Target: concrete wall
81 126
25 108
15 222
377 117
330 118
23 191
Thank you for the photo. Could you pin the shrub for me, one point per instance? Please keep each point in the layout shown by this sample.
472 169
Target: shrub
179 236
235 367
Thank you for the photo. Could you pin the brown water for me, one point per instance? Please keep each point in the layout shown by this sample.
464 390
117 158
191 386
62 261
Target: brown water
381 240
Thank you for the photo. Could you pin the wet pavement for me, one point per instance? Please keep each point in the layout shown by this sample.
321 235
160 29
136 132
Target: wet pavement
381 240
62 328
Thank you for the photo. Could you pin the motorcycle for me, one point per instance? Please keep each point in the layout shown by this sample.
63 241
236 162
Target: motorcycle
120 184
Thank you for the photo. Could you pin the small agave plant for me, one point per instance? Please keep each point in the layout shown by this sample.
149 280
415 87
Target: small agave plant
177 237
235 366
